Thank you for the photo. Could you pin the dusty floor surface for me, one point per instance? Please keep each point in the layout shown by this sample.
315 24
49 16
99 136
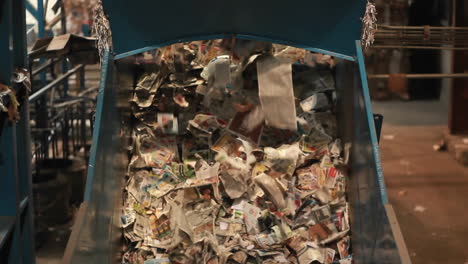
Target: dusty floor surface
428 189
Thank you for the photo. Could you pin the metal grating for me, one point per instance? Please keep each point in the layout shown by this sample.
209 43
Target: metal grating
421 37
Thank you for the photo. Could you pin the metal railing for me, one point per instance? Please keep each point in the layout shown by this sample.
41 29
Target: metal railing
420 75
421 37
61 123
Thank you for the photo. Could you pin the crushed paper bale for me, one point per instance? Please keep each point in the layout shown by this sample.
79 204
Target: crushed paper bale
219 175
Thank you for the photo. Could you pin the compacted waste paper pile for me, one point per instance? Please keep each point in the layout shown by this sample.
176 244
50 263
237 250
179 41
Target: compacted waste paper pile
235 157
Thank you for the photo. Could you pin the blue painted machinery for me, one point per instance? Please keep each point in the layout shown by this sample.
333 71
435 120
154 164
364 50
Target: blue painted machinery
330 27
16 223
17 228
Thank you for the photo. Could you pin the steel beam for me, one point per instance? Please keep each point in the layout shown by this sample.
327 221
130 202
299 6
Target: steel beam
421 75
55 82
32 10
15 150
40 19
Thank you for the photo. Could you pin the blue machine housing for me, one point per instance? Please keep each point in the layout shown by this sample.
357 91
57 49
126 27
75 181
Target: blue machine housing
331 27
16 205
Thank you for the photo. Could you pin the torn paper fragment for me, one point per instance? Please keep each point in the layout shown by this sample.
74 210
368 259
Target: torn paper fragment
203 124
218 72
222 76
239 257
310 255
139 228
223 226
285 152
255 118
228 144
157 261
127 219
318 232
346 260
233 183
205 171
248 125
330 255
160 227
276 93
180 100
343 247
280 258
251 214
271 188
168 123
331 176
309 103
314 102
266 240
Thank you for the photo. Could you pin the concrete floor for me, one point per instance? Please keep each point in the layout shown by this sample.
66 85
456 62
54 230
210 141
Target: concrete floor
417 177
416 113
54 247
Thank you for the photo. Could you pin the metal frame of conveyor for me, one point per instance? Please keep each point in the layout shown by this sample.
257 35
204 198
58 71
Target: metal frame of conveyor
378 241
376 235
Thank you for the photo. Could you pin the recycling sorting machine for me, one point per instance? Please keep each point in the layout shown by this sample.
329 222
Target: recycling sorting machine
332 27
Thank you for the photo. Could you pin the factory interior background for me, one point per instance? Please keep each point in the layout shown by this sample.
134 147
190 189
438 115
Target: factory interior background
417 73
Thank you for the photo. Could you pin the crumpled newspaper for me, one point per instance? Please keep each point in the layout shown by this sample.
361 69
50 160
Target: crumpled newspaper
21 76
236 159
276 93
8 102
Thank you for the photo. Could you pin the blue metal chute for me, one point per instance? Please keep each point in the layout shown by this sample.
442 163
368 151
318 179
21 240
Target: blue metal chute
331 26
